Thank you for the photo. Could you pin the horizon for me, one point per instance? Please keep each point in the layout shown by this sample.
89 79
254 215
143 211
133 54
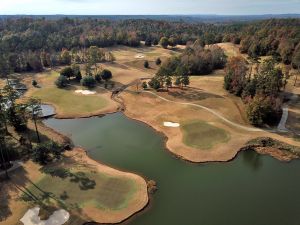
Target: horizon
155 7
60 14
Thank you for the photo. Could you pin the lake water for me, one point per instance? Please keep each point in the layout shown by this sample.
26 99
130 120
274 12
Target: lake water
250 190
47 110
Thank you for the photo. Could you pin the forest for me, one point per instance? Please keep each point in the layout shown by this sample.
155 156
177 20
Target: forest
25 42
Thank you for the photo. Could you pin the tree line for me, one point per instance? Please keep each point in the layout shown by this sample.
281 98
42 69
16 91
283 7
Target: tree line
195 60
259 89
92 70
16 114
28 44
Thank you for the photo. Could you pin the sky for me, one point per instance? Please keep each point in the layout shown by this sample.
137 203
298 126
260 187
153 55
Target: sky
148 7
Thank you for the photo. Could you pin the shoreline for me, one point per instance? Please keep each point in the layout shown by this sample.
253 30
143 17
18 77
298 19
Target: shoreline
85 155
273 152
99 113
167 146
146 199
140 202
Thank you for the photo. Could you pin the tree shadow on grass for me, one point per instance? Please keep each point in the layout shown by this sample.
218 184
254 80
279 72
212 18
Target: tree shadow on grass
83 181
31 133
15 189
45 199
192 95
9 191
5 197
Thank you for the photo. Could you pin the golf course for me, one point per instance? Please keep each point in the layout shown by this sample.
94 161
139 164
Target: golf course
166 132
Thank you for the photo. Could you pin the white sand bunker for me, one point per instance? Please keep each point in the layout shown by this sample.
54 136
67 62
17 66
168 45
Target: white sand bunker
139 56
31 217
85 92
170 124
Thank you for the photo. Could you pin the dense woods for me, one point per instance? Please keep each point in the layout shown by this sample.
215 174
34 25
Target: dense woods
259 90
195 60
279 38
28 44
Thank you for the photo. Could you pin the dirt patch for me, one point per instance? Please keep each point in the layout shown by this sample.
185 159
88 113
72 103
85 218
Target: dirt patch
139 56
275 148
281 155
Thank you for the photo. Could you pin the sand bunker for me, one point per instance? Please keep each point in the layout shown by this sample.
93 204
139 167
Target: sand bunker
85 92
170 124
31 217
139 56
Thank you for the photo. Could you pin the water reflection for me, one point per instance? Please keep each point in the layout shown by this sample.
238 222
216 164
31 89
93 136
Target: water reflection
252 159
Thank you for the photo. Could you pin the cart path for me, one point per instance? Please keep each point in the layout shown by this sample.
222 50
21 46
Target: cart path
250 129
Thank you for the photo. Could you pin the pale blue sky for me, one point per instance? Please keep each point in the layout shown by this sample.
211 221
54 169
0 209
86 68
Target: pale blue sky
127 7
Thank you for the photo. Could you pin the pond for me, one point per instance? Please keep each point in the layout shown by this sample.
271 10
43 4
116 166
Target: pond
250 190
47 110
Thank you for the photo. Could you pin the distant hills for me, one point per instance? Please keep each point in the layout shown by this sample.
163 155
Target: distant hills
185 18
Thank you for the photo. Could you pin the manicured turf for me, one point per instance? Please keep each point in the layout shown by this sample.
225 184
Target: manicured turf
79 190
199 134
67 102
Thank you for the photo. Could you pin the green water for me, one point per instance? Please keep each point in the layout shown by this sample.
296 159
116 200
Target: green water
250 190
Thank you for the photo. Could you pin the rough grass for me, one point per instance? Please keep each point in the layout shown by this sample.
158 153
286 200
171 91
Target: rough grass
230 49
139 64
202 135
67 102
81 189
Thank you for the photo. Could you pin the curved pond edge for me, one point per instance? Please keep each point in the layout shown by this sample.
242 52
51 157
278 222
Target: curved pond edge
68 141
141 199
98 113
103 113
147 206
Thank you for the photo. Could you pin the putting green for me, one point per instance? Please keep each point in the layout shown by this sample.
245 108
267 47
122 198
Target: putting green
81 189
69 103
202 135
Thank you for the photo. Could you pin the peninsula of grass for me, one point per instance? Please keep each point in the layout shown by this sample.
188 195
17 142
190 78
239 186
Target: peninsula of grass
68 103
201 135
88 190
75 190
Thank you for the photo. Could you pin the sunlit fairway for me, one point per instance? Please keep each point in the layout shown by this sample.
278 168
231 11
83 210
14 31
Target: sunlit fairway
125 54
202 135
76 190
67 102
231 50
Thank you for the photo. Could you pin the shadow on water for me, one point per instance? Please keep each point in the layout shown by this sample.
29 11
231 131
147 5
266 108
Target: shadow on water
252 159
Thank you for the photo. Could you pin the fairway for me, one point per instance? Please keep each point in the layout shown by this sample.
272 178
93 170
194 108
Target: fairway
201 135
68 103
85 189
